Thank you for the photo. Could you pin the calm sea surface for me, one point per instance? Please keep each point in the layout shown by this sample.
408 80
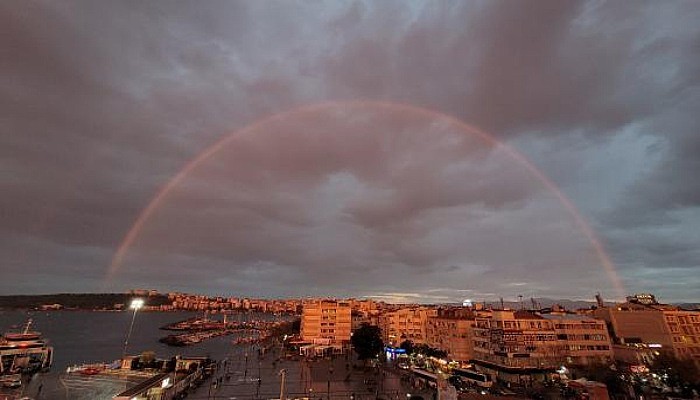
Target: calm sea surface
94 336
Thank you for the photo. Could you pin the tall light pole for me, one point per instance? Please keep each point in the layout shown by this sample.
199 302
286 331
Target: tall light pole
135 305
330 375
283 374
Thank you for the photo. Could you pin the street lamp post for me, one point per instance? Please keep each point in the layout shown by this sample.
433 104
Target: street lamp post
283 374
135 305
330 376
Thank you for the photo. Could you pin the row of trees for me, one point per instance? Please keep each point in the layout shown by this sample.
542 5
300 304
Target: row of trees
367 342
681 375
424 349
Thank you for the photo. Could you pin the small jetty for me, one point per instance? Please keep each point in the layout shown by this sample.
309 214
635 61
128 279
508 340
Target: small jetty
186 339
197 330
189 373
206 324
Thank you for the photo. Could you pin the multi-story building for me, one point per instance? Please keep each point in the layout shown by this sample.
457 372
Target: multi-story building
364 312
520 346
583 339
326 321
452 332
405 324
365 306
515 346
646 323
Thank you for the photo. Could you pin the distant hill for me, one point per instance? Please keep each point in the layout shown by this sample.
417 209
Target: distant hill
572 304
569 304
85 301
543 302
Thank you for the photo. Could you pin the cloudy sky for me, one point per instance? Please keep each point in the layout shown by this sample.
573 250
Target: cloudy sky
344 163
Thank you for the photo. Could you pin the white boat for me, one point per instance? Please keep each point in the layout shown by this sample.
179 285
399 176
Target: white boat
24 352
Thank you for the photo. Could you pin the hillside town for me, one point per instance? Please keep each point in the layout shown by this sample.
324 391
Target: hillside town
514 344
510 343
513 347
637 348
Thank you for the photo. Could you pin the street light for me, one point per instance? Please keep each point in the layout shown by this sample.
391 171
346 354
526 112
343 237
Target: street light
283 374
135 305
330 376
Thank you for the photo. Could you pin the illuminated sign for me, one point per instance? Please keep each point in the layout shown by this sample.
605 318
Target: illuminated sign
394 350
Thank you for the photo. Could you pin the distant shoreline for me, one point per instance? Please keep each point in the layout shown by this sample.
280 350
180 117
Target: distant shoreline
75 301
120 302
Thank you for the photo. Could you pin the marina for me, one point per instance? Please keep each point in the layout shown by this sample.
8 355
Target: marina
242 365
201 329
87 341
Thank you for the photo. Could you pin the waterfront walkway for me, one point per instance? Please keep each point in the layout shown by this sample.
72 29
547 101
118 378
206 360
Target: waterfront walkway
245 374
249 376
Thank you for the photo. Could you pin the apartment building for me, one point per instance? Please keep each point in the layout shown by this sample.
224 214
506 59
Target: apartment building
326 321
364 312
405 324
452 332
647 323
583 339
515 346
366 306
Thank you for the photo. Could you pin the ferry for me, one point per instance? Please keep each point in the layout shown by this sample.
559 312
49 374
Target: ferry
24 352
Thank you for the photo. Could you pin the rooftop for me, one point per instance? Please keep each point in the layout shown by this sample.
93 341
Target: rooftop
569 317
524 314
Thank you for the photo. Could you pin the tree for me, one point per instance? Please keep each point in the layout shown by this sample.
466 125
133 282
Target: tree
601 372
429 351
680 372
367 341
296 326
407 345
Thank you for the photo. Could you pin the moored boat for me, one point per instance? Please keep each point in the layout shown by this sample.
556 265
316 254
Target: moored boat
24 352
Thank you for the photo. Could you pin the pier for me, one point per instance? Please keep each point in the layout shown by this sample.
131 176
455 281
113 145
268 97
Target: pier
190 373
200 329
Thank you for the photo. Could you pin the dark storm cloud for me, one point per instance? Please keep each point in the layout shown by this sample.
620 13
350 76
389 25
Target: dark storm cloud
389 199
510 66
102 102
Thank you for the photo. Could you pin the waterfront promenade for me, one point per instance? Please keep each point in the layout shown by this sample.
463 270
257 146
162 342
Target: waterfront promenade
249 376
244 373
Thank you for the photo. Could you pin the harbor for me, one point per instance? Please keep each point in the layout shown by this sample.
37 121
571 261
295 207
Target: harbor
240 366
90 343
201 329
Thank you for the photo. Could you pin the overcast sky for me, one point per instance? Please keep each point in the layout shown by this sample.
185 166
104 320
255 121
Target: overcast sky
103 102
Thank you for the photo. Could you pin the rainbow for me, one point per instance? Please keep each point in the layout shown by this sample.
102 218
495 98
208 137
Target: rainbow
193 163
